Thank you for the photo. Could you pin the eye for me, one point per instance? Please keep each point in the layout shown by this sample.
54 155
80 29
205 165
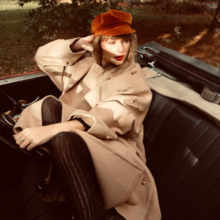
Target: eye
111 42
126 41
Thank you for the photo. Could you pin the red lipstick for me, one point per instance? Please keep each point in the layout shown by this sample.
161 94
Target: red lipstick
119 57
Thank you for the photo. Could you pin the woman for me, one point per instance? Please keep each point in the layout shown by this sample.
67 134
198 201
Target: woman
94 131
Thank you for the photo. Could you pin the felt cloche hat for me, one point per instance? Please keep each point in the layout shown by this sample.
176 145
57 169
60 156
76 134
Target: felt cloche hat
112 23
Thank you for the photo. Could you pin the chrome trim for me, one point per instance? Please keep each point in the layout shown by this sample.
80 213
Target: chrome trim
21 78
153 68
17 116
210 95
144 52
8 121
25 105
153 49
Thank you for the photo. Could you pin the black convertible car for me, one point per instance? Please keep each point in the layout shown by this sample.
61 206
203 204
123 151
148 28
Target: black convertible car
182 143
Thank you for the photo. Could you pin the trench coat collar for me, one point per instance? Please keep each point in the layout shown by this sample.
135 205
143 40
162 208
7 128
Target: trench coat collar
93 68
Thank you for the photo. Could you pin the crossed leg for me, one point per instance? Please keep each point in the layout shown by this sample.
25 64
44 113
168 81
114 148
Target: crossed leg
74 167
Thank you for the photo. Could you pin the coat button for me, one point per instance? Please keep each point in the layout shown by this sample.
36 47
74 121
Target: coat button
143 182
133 72
67 63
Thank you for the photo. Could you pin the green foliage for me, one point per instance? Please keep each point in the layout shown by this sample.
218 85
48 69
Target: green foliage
177 31
169 41
206 1
54 19
180 6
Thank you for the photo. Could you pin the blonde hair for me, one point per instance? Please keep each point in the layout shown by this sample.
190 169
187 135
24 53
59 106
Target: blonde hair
98 55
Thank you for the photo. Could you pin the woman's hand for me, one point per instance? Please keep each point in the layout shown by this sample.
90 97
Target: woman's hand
82 43
86 41
34 136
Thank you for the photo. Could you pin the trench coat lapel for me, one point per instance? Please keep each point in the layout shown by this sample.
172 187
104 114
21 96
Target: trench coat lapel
75 72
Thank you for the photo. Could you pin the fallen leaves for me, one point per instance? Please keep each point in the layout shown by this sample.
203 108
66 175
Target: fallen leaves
195 40
17 58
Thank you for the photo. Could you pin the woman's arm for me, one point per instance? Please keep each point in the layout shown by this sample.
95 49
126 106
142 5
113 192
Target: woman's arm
122 108
55 57
82 43
35 136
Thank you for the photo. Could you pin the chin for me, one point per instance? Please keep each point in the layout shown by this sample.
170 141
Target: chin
118 63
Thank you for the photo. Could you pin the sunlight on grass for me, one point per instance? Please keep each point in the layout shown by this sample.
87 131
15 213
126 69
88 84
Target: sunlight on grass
145 13
12 5
16 50
164 36
194 40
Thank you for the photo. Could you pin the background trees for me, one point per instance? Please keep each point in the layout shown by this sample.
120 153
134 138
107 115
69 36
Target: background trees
216 20
56 18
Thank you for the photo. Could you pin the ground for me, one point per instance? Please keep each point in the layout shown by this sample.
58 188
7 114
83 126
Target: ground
194 40
17 52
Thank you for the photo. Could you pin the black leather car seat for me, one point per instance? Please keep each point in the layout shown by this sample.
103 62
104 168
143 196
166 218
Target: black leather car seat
183 154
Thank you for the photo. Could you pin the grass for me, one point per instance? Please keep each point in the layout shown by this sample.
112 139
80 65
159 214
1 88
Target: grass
12 5
16 51
147 14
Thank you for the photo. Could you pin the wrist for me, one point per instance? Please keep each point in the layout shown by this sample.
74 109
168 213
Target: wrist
59 127
68 126
76 45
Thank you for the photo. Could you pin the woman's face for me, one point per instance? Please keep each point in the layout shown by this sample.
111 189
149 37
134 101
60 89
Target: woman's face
115 51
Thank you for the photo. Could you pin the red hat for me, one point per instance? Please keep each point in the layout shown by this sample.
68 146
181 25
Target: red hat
112 23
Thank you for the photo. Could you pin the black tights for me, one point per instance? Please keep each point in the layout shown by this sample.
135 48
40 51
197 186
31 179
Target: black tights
74 167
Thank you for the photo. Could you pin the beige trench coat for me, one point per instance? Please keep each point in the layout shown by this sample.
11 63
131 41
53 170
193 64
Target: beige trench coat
115 110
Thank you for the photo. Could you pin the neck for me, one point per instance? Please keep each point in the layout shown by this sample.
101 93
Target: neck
106 64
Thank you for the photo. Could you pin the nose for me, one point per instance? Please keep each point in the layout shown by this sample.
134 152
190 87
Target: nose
120 47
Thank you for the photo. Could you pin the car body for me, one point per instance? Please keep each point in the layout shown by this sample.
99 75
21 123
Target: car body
182 148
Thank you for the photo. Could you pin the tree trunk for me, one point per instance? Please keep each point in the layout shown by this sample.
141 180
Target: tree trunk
216 20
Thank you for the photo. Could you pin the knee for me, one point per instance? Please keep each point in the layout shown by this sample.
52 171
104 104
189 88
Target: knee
65 135
64 140
51 102
51 111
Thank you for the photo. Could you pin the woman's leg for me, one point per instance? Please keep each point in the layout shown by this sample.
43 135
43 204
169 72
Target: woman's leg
74 167
34 172
51 111
30 199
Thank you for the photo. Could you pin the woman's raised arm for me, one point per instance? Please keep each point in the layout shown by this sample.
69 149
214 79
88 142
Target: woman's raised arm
82 43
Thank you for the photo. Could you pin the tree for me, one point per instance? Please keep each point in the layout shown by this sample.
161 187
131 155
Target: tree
55 18
216 20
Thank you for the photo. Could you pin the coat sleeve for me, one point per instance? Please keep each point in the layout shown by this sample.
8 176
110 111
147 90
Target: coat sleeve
55 56
119 114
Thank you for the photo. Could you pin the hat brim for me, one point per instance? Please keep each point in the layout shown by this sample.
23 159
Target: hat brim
114 30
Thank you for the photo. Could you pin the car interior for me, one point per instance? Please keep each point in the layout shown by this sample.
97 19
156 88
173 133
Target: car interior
182 144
